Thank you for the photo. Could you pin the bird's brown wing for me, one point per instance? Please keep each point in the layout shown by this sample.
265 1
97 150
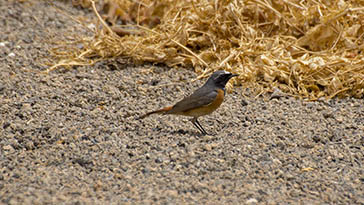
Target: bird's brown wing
199 98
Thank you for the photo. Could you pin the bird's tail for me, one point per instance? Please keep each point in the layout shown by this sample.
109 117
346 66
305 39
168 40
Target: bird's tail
160 111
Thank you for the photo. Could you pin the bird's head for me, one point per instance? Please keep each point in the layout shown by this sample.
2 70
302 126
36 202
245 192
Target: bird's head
220 78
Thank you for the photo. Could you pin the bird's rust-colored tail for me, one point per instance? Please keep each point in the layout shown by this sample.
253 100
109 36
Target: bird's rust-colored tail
160 111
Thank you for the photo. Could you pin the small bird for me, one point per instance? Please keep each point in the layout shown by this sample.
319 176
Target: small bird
203 101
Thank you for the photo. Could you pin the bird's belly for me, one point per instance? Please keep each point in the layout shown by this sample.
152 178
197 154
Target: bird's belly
206 109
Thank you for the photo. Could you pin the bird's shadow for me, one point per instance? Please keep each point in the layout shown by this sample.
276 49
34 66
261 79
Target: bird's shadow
189 132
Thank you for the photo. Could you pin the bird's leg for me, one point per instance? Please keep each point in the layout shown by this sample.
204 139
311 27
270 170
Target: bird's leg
198 125
204 131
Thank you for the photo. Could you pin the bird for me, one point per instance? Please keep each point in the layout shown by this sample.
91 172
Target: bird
203 101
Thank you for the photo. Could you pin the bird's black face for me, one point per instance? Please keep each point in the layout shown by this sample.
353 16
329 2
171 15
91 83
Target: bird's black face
221 77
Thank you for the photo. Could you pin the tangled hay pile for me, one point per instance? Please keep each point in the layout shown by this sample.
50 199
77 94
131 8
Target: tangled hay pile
307 48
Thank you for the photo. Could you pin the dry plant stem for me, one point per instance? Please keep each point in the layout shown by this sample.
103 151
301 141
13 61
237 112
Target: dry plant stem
73 63
278 14
293 4
101 20
337 92
191 52
232 54
337 40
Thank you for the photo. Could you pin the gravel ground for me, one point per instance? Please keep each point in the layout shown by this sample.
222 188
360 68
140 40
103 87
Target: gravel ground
73 136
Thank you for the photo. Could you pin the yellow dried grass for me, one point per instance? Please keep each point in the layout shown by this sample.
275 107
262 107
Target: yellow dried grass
305 48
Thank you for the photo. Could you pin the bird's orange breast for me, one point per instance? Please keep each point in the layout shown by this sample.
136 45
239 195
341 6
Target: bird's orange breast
207 109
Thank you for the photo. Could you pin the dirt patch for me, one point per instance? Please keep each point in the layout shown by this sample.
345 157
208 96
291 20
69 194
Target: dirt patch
74 135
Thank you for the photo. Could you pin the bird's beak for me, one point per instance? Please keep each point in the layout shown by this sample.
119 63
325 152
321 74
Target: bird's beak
233 75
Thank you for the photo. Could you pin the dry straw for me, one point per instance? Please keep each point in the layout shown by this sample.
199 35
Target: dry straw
309 49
